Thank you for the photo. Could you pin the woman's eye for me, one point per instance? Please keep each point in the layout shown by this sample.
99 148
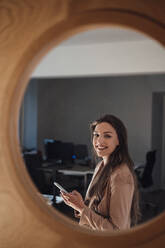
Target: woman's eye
95 135
107 136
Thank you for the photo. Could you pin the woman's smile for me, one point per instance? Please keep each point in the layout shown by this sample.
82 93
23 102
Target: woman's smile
101 148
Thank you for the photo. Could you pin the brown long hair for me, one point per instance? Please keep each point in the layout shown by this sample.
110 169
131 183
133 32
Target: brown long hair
120 155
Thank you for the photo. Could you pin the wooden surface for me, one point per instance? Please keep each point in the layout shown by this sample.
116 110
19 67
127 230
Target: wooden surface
28 30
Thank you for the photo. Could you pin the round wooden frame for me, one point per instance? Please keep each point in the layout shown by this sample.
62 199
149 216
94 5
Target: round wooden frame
28 30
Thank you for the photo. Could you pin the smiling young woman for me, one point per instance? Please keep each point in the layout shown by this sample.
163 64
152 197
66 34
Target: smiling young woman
112 200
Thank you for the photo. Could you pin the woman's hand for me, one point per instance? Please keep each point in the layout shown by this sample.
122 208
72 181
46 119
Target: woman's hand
74 200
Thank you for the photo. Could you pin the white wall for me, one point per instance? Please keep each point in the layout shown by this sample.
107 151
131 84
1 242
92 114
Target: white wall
115 58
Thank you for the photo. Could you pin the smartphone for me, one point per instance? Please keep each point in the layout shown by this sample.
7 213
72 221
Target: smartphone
60 187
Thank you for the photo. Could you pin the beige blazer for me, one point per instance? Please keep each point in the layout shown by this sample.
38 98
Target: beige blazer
113 212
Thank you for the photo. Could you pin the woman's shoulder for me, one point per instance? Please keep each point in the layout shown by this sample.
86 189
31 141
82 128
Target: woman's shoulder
123 174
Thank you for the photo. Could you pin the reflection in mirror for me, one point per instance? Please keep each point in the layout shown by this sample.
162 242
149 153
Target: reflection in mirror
104 71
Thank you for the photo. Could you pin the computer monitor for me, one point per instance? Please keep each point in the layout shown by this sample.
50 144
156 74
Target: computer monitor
53 149
67 152
58 150
81 151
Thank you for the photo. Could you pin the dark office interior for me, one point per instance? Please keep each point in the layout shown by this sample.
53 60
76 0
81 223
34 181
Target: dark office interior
61 157
68 159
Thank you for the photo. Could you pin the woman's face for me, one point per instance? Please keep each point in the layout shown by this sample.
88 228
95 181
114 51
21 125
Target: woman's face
105 140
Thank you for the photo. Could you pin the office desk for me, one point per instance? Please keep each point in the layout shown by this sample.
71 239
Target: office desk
75 170
78 170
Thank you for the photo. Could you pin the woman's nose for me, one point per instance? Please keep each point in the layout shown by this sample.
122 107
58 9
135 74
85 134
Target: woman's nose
100 140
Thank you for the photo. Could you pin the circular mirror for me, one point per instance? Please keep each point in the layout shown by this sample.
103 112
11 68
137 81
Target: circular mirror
103 71
57 21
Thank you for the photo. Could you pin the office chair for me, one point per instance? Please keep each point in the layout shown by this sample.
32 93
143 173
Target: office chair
145 180
144 173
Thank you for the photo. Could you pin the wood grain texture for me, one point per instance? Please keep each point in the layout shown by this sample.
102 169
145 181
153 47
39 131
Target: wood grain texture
28 30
